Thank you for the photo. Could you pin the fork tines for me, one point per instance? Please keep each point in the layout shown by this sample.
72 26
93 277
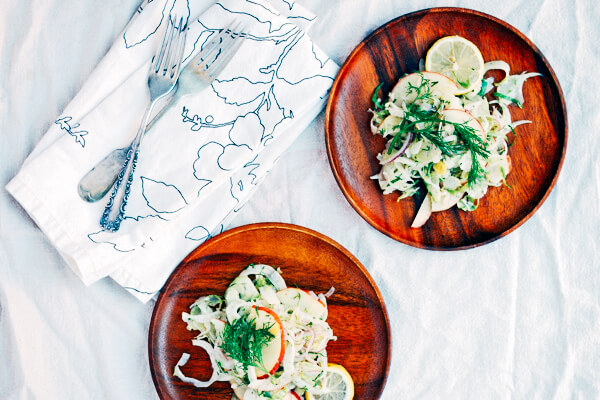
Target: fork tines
220 49
167 59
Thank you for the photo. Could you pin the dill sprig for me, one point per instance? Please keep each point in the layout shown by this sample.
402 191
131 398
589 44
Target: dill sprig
432 127
243 342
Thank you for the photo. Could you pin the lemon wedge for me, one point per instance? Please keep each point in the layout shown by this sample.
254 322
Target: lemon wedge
338 385
458 59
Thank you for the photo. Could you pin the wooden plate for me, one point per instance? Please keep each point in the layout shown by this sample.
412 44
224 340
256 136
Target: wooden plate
308 259
395 49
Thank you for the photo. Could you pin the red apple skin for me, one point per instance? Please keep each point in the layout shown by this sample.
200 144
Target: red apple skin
282 351
296 395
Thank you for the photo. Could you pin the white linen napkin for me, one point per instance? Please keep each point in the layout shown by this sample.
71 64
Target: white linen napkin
199 163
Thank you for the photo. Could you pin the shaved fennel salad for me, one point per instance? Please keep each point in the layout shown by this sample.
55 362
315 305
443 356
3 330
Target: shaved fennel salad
269 341
455 145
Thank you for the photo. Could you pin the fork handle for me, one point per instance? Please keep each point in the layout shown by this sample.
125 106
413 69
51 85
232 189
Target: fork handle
97 182
114 211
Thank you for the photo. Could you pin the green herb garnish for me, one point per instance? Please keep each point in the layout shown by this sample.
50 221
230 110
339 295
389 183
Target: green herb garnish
316 380
512 100
376 100
243 342
432 127
514 134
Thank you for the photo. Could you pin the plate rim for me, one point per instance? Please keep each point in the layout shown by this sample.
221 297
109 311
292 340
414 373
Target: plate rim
270 225
336 86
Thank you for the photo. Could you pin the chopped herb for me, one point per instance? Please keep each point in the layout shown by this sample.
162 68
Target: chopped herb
316 380
514 134
243 342
396 179
221 369
376 100
429 167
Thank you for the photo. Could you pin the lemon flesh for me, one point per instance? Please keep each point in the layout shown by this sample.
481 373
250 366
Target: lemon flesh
339 385
458 59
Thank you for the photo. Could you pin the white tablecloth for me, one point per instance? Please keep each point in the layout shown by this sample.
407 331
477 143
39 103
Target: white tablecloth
517 318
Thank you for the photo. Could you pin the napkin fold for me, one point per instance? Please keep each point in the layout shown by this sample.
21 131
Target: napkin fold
199 163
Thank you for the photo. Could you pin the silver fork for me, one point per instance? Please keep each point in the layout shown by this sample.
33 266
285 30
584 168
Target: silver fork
199 73
162 78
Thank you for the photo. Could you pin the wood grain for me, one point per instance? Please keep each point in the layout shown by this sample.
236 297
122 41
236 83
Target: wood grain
307 259
395 49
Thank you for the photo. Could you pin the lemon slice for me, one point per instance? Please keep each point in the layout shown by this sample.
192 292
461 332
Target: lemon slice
458 59
338 385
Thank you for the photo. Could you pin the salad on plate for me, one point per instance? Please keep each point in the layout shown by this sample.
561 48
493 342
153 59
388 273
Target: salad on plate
269 341
449 129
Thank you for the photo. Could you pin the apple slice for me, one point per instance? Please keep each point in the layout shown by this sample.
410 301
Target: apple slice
273 352
388 123
423 214
447 200
464 117
292 396
441 86
297 298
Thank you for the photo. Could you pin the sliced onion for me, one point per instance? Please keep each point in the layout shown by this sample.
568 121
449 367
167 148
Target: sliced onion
402 149
290 354
323 346
210 350
520 122
269 272
196 382
310 342
503 65
330 292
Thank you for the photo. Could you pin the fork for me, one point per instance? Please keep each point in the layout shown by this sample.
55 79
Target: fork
199 73
162 78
